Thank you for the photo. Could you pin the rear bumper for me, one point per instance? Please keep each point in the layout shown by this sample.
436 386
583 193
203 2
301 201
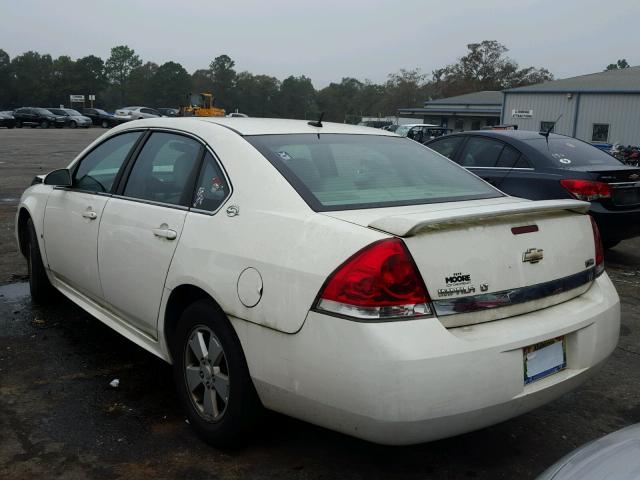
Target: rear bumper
414 381
615 225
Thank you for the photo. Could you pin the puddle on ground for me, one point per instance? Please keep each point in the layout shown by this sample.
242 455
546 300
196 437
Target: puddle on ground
14 292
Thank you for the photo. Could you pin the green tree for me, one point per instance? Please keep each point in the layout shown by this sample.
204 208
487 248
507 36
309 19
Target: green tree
619 65
33 79
485 67
64 82
6 83
140 89
223 78
119 66
256 95
201 81
297 98
91 79
169 85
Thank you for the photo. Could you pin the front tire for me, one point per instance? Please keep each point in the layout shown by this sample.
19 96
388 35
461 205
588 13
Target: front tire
39 285
211 376
73 124
105 124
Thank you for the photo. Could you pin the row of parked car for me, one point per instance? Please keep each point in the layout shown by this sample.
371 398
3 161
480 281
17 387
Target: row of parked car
87 117
544 166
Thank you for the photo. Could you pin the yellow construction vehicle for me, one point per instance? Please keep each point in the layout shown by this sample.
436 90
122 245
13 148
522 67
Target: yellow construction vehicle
201 105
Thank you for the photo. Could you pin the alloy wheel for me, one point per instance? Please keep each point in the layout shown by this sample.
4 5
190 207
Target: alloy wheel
206 373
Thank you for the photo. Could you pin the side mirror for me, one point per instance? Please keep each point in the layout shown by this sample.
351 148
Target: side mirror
59 178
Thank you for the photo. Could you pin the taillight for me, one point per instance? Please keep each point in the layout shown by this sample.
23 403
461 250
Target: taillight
586 189
379 282
597 240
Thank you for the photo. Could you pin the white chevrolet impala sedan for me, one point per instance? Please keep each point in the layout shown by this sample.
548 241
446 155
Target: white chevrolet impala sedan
338 274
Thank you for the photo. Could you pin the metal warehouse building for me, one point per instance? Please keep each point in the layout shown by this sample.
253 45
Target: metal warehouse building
600 107
471 111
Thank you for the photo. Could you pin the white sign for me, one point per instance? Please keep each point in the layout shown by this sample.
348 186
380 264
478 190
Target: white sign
76 98
515 113
92 97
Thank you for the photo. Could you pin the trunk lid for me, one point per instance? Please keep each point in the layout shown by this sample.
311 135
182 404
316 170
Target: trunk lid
492 260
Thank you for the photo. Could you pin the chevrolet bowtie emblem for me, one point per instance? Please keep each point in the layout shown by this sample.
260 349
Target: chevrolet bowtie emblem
634 176
533 255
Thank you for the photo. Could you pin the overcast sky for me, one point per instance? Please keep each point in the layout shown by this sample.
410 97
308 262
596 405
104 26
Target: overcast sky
329 39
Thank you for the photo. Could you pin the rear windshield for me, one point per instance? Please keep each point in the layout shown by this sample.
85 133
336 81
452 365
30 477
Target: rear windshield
341 172
569 152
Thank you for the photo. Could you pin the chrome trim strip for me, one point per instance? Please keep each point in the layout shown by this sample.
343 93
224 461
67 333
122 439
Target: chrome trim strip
151 202
506 298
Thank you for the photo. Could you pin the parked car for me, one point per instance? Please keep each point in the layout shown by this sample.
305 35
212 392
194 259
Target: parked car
135 113
7 119
528 165
100 117
168 112
615 456
35 116
238 115
74 118
421 132
335 273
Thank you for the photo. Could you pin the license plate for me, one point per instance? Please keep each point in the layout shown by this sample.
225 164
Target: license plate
544 359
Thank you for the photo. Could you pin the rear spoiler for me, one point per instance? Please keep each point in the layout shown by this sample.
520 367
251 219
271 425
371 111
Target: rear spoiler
406 225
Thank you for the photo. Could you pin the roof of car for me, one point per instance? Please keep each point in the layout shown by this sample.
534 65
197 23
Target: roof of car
515 134
263 126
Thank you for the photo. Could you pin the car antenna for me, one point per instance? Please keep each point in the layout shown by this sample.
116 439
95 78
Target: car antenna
317 123
553 125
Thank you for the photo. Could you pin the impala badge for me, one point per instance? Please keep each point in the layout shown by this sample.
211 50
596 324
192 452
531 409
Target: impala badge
533 255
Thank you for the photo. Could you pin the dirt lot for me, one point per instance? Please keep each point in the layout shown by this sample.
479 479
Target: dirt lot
59 418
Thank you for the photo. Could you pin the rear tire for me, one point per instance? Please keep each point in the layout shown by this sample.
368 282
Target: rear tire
44 124
39 285
212 378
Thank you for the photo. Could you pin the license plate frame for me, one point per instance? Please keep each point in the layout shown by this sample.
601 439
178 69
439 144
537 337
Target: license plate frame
543 359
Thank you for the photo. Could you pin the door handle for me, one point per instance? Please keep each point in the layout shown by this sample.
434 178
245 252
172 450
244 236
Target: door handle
164 232
90 214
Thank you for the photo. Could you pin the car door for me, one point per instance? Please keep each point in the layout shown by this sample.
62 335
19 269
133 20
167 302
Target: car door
72 214
480 155
141 226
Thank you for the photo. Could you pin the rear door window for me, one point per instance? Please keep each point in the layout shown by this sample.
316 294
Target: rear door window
481 152
165 169
97 171
212 187
447 146
512 158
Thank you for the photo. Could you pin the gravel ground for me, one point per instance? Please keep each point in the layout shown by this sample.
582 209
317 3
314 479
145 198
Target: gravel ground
59 418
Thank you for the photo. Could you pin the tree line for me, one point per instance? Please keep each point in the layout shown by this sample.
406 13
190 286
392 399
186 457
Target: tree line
34 79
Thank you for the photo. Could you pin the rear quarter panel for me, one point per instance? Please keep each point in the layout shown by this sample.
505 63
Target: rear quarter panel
293 248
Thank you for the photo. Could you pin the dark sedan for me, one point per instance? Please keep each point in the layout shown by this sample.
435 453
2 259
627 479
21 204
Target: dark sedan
100 117
538 166
7 119
35 116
